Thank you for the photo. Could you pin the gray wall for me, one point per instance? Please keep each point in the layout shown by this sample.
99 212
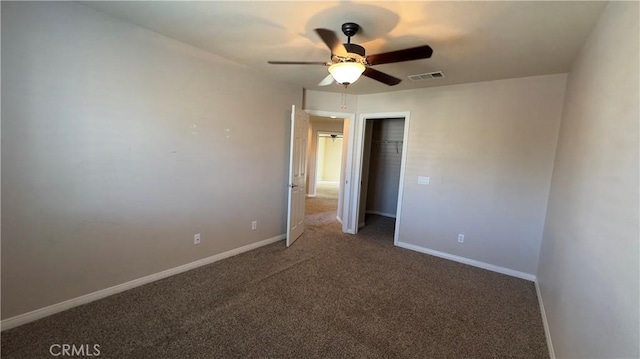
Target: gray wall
488 148
115 151
589 271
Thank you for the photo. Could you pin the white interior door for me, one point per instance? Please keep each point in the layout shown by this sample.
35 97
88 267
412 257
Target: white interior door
297 174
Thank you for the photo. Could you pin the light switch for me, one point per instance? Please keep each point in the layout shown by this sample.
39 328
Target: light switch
423 180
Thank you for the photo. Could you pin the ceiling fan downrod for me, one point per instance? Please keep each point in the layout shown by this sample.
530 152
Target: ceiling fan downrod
350 29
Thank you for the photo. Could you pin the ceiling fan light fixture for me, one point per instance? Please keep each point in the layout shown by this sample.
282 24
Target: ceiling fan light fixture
348 60
346 73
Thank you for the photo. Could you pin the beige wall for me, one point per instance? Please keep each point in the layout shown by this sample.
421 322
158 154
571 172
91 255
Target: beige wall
488 148
329 159
115 152
320 149
329 101
589 271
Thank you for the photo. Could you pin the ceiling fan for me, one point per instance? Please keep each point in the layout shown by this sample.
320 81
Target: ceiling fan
348 61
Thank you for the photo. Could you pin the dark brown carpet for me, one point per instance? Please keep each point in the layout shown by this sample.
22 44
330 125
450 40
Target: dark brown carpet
330 295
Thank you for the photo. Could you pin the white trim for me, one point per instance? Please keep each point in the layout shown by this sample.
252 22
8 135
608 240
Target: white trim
545 323
471 262
403 166
383 214
339 219
349 181
103 293
310 195
356 149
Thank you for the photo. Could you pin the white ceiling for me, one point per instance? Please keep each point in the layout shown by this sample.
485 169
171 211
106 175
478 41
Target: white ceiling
472 41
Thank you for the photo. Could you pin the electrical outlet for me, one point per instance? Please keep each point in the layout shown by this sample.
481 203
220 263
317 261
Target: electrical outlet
196 239
461 238
254 225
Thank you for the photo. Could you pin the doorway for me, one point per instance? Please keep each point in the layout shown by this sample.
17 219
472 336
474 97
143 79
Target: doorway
322 205
325 168
356 151
381 162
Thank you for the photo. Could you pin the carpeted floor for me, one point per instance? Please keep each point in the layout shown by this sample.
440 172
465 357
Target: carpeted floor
322 209
330 295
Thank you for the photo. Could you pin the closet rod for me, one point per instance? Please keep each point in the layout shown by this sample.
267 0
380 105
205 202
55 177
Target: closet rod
385 141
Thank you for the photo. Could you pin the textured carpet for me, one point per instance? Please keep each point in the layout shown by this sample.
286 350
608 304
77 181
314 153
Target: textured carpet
322 209
330 295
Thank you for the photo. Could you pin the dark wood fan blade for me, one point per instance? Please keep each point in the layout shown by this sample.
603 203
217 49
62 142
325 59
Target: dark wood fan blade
299 63
414 53
381 76
331 39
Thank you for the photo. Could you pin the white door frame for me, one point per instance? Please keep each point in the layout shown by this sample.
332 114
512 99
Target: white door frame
356 147
348 172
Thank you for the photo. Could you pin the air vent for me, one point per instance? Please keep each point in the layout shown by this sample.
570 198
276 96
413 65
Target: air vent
427 76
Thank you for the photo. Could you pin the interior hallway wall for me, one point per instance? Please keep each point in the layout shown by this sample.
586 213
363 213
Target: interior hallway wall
118 145
329 159
589 272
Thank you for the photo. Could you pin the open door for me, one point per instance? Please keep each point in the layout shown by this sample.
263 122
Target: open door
297 174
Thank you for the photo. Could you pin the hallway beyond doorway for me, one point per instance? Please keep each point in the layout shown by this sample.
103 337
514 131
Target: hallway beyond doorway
322 209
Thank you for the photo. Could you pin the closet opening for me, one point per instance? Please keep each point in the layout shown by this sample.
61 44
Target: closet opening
382 157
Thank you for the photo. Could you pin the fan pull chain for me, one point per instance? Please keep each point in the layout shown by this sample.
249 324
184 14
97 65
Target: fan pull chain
343 104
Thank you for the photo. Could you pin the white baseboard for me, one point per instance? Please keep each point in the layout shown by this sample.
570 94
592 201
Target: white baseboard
87 298
383 214
471 262
339 219
311 195
547 332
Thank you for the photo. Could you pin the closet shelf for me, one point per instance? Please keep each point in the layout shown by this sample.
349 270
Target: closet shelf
383 142
398 144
